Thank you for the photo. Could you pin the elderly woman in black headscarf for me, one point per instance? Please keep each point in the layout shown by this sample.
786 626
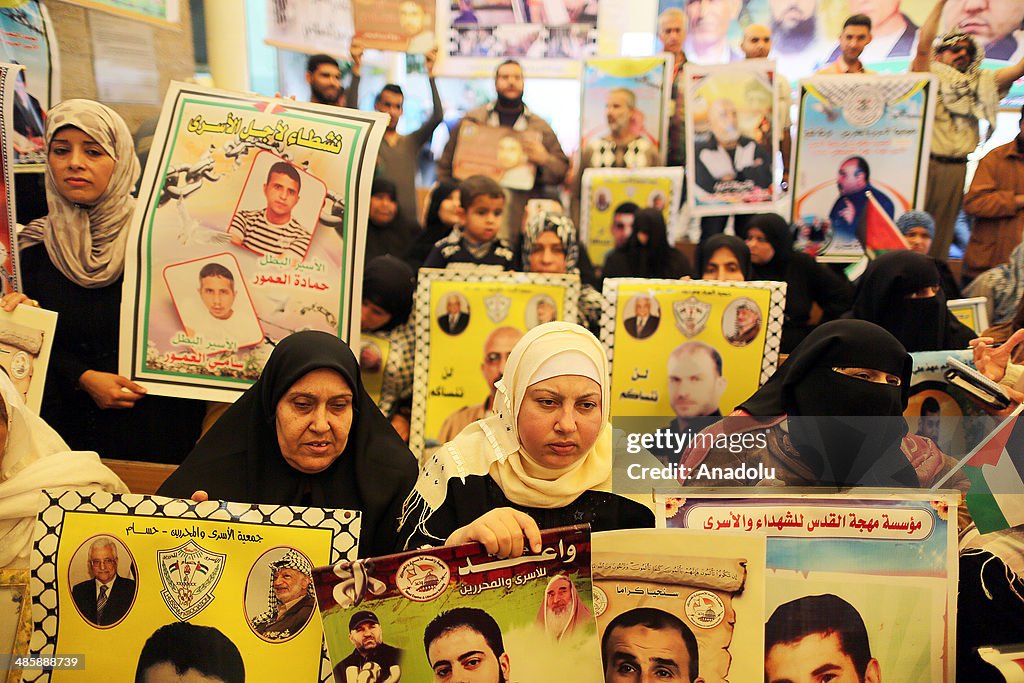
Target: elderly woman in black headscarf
771 249
647 253
900 291
723 257
832 415
306 433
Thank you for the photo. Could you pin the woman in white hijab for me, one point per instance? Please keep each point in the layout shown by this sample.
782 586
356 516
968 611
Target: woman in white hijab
542 459
34 457
72 262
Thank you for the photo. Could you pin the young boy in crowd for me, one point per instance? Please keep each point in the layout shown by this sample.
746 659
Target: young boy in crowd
475 241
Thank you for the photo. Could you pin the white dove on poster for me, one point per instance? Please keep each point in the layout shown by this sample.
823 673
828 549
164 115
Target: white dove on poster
194 232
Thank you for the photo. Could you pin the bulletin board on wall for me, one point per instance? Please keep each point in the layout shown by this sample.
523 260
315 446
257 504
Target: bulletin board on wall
171 46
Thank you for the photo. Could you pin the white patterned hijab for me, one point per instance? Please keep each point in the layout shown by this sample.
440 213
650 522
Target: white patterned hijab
87 243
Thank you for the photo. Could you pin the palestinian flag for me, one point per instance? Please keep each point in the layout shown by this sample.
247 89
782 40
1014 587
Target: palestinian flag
996 471
880 233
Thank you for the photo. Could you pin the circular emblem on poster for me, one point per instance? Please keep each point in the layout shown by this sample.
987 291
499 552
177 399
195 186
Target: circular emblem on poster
704 609
422 578
863 106
600 601
21 363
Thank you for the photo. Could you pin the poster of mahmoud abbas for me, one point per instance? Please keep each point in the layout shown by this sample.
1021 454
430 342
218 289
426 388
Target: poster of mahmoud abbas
858 134
457 613
629 92
880 563
467 321
250 226
703 593
731 138
686 350
215 579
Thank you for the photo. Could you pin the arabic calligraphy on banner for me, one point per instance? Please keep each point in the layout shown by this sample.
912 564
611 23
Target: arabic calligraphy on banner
245 231
408 591
181 563
812 521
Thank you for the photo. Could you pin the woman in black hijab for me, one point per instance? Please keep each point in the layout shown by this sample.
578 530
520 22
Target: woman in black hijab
771 249
723 257
442 214
900 291
647 253
306 433
388 288
832 415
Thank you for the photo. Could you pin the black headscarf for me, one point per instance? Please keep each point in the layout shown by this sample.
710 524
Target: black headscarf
712 244
655 259
919 324
779 235
433 229
239 458
847 430
390 284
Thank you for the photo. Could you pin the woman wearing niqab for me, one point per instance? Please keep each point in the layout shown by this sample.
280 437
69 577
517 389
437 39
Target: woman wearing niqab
832 415
900 291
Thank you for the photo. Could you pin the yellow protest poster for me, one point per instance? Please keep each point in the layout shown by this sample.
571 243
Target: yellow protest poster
689 348
120 580
606 190
467 321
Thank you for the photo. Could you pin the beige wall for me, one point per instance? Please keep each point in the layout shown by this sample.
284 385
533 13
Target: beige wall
175 56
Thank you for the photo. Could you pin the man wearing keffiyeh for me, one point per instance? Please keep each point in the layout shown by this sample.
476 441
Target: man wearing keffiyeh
290 602
967 94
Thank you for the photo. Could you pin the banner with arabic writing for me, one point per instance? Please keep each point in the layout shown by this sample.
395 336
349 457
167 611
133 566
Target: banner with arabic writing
708 587
433 614
218 577
888 560
250 226
858 134
665 331
466 323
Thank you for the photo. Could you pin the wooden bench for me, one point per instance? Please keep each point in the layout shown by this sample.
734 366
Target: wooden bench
140 477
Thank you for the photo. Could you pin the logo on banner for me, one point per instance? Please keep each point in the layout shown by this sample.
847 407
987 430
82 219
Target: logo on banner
422 578
691 316
498 306
189 573
704 609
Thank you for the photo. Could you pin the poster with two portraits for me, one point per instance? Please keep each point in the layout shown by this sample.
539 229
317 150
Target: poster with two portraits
215 582
689 348
250 225
467 321
455 613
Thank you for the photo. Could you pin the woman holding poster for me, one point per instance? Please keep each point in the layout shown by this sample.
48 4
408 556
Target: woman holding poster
543 459
854 377
306 433
73 263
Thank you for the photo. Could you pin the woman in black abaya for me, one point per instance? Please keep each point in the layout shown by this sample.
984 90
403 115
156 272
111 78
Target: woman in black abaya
900 291
306 433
